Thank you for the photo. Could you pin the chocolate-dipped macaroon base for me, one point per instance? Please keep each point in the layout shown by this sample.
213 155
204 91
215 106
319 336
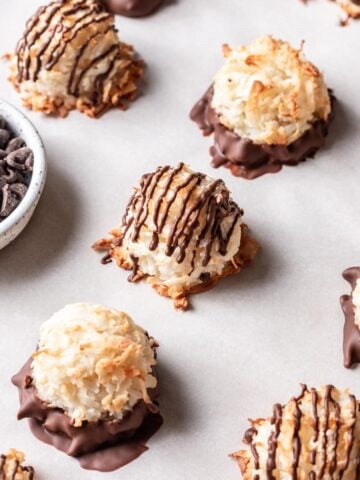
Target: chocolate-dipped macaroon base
247 159
103 445
351 342
132 8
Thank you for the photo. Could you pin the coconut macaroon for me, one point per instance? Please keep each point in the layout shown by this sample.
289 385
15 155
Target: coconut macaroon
182 232
100 352
351 7
70 56
267 106
91 386
351 308
12 468
314 436
269 93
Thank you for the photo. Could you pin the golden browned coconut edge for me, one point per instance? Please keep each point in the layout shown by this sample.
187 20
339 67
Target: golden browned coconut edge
121 94
246 253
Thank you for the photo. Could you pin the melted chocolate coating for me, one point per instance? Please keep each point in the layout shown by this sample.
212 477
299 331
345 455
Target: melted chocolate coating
247 159
132 8
351 342
104 445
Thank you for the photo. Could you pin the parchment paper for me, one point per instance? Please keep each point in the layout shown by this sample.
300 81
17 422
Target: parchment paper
246 344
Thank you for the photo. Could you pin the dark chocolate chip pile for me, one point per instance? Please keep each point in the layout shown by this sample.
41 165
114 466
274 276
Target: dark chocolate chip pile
16 165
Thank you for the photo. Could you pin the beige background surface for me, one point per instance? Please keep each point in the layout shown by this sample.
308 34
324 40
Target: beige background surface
246 344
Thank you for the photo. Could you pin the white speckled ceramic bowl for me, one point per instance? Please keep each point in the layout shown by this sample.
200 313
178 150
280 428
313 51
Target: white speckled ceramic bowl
14 224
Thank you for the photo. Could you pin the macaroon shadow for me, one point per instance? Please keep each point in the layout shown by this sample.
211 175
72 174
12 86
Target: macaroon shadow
148 83
175 407
168 3
265 266
164 4
343 126
46 236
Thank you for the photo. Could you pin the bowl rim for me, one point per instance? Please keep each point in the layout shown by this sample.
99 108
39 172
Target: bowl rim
39 169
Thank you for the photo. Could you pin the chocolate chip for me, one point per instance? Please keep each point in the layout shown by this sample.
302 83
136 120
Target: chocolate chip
21 159
12 176
4 138
15 144
9 202
19 189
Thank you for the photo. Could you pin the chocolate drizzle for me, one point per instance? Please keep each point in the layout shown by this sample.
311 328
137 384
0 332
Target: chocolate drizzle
296 439
59 49
151 205
76 89
16 468
276 420
333 462
104 445
56 37
249 437
325 427
351 337
351 439
329 427
244 157
314 401
58 28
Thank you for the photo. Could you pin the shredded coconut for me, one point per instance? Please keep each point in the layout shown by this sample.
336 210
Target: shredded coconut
268 92
93 363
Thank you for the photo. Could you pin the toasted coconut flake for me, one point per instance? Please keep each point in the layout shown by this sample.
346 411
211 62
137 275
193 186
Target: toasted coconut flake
269 93
12 468
93 363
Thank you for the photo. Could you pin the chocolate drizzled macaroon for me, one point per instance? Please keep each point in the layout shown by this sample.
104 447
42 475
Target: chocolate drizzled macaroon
314 436
351 308
132 8
11 467
70 56
267 107
90 388
182 232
